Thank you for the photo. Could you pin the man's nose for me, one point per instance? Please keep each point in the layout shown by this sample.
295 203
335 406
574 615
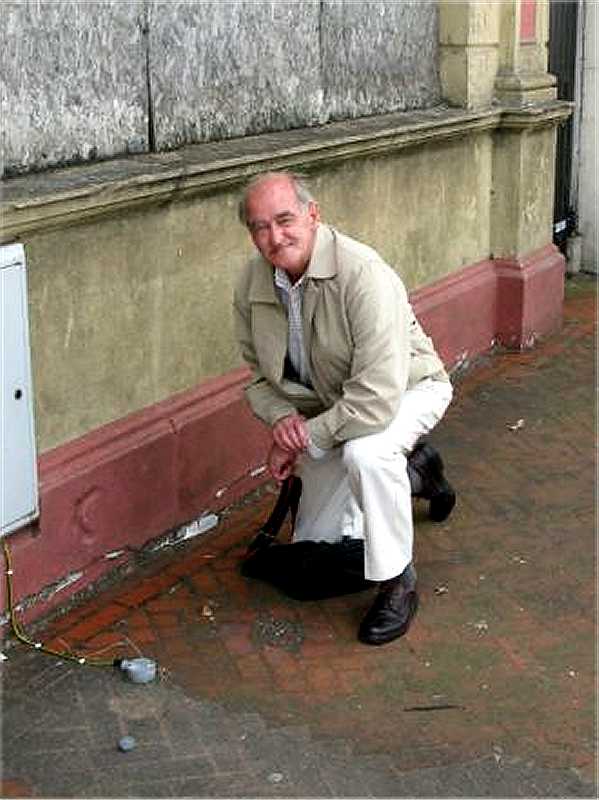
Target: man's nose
276 233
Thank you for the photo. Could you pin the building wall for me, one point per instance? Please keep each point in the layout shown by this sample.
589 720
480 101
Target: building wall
587 197
85 81
140 417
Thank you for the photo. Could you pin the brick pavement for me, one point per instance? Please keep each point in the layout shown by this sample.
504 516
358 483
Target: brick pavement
263 696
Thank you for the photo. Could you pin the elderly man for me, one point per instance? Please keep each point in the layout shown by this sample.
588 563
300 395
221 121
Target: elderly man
347 381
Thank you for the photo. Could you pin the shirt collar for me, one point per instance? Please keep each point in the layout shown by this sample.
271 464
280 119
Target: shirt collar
282 280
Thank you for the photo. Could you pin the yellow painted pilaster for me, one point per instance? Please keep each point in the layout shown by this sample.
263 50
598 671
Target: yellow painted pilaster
469 40
522 78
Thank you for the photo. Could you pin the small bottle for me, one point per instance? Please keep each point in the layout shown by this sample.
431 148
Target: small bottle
138 670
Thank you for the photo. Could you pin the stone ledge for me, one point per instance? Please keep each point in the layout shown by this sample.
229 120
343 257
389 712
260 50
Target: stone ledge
533 116
69 196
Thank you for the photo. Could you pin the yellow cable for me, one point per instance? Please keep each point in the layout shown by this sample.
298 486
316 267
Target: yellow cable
22 637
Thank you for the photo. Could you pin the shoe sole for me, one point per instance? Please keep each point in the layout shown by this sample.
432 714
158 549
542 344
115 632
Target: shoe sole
379 640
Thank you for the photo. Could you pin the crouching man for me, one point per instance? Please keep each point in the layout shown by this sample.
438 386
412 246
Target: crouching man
348 382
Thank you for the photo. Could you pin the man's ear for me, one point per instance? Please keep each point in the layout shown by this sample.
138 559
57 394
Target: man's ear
314 211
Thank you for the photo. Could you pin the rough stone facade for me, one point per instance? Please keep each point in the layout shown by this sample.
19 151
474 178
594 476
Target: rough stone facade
73 86
94 80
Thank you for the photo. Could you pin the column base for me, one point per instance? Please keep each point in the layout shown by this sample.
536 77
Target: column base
530 296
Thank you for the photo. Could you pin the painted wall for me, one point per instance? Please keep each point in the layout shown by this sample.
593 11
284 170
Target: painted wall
92 80
524 174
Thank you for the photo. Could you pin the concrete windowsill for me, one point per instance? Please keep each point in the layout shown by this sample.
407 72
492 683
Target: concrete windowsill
67 196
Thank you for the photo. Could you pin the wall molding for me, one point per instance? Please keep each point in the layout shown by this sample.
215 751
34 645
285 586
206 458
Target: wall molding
74 195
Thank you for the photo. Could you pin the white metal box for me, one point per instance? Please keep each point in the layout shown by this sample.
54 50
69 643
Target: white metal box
18 462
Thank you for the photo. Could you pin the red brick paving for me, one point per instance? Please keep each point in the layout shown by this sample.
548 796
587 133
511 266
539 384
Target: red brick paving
510 639
9 789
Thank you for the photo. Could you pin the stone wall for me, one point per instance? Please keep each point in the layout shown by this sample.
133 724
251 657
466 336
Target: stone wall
85 81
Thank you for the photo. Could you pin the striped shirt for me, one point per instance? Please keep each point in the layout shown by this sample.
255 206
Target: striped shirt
292 295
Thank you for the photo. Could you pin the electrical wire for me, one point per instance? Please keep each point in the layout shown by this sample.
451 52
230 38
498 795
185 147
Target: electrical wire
39 646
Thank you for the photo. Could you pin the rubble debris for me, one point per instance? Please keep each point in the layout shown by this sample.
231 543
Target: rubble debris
517 425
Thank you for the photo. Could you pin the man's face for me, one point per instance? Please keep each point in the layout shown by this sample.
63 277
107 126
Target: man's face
281 229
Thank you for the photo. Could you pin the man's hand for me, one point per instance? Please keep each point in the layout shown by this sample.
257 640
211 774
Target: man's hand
281 462
291 434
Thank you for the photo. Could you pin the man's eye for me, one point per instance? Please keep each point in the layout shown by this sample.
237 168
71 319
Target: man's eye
258 227
288 220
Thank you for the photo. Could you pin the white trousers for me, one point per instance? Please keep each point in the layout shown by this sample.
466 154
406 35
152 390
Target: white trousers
361 489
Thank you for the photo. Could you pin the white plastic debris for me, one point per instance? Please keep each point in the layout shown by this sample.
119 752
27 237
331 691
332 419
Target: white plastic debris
3 657
258 471
517 425
195 528
482 626
138 670
441 589
67 581
198 526
113 554
275 777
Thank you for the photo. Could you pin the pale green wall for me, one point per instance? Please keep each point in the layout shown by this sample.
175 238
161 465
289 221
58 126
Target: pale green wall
425 210
523 181
125 312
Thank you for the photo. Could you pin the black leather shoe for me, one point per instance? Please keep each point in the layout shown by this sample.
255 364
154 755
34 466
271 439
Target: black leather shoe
435 488
390 615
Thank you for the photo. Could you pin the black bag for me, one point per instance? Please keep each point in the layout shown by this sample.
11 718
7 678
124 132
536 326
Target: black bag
310 570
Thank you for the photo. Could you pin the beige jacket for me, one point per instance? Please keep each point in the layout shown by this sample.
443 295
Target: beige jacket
363 343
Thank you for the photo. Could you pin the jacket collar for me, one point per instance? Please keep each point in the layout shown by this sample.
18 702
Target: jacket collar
323 264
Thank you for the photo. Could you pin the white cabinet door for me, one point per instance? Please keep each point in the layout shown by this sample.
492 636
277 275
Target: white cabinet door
18 467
